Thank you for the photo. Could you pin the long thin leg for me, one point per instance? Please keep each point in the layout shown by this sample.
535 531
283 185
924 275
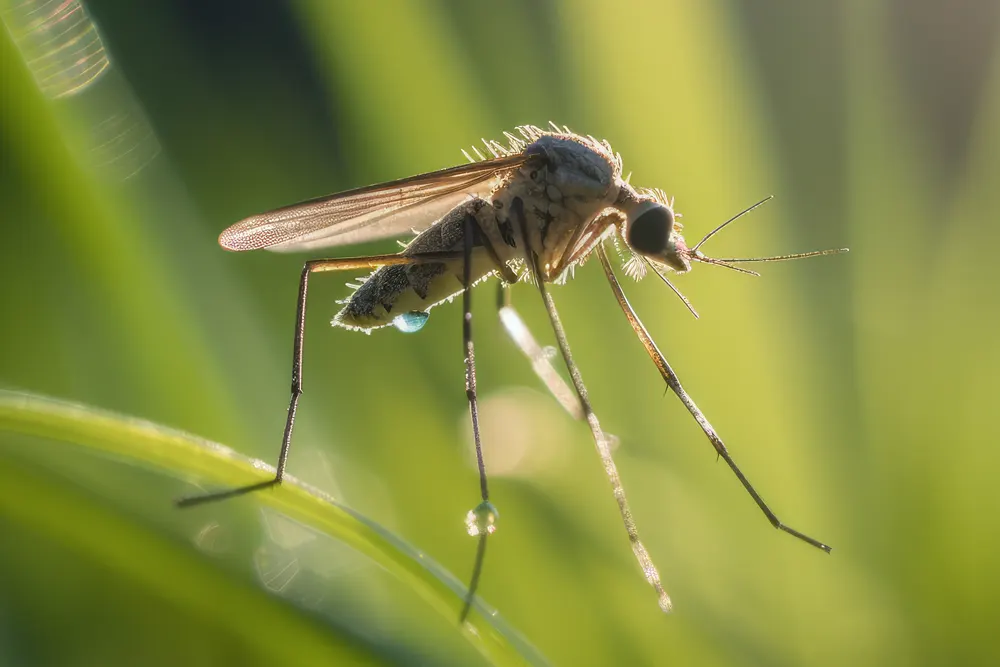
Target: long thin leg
481 518
540 361
600 438
674 383
310 267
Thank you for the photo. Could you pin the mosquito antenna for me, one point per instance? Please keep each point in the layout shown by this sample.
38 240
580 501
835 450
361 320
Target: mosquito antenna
728 262
728 222
699 256
669 284
776 258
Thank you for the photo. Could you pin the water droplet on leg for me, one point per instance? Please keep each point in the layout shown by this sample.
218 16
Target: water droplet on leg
483 519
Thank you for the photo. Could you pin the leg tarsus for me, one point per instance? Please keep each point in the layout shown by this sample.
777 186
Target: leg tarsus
477 569
229 493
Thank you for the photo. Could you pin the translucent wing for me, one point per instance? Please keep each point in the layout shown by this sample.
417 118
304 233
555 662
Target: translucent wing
366 214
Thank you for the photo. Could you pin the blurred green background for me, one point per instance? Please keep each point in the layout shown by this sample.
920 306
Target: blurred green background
855 391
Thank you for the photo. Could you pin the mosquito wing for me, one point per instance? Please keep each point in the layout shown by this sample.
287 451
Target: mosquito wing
371 213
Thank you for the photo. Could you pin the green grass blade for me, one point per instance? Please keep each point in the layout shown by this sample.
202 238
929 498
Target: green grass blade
152 446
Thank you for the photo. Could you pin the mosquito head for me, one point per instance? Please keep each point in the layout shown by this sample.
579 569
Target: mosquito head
652 231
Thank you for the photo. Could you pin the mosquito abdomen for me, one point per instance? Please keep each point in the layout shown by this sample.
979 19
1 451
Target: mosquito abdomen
405 290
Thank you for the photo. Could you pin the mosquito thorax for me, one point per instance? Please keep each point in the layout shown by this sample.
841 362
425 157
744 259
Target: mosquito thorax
651 230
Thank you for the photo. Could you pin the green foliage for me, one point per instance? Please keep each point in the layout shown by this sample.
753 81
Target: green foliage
856 391
40 501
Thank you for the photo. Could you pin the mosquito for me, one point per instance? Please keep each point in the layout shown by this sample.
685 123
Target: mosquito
531 211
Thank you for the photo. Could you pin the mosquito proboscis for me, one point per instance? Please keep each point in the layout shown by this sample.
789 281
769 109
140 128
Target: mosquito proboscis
532 211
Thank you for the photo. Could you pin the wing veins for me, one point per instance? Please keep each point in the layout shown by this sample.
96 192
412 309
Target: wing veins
319 222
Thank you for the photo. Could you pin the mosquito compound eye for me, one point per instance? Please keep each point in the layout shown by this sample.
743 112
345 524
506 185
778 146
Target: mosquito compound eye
649 233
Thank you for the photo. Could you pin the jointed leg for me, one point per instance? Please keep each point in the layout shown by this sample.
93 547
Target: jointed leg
480 520
313 266
600 438
674 383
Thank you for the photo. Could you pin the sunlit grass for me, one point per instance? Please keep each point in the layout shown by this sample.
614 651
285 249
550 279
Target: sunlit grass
179 455
856 391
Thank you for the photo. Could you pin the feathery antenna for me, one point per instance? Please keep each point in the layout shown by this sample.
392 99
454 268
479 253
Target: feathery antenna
696 254
731 220
780 258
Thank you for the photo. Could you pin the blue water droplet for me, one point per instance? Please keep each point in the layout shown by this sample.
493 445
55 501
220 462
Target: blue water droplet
411 322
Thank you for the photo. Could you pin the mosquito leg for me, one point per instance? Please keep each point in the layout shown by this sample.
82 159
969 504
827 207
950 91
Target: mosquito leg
480 520
600 438
674 383
540 361
310 267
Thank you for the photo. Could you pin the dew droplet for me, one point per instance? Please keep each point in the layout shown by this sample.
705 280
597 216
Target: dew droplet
411 322
483 519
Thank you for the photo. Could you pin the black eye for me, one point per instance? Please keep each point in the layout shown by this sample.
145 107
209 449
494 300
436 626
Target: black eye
649 233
